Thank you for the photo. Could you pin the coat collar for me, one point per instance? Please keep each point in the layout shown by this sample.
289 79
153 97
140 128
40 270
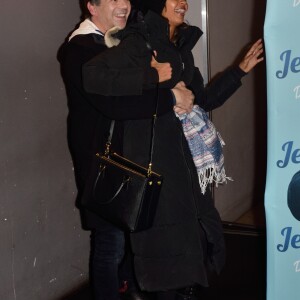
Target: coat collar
159 28
86 27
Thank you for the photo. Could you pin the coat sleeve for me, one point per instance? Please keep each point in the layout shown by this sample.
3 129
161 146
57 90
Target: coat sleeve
114 107
121 70
218 91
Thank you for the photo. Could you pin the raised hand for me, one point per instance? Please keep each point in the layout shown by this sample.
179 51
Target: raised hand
253 57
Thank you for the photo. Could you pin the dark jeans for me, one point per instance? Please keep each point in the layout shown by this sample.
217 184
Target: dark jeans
108 268
107 252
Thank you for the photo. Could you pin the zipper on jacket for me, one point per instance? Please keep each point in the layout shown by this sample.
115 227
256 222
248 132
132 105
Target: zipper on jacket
180 58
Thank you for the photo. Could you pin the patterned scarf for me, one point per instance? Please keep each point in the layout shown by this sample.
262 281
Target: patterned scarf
205 144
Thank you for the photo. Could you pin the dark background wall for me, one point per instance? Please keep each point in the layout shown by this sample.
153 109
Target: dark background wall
231 27
43 251
242 120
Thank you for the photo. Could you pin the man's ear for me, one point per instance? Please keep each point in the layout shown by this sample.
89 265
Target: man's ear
92 9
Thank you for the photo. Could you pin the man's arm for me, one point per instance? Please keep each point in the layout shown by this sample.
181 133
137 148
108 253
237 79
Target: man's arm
117 107
126 69
184 98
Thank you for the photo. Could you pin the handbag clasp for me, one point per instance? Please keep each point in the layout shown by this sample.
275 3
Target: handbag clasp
107 148
149 172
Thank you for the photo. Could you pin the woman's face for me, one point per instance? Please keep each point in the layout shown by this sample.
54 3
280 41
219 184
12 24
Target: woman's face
175 11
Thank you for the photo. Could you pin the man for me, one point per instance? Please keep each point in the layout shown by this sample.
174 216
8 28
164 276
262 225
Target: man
88 124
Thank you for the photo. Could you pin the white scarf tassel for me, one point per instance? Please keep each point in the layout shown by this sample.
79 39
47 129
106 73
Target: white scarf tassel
210 175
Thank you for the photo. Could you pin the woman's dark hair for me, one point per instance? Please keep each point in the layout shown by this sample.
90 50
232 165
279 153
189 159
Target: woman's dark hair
145 5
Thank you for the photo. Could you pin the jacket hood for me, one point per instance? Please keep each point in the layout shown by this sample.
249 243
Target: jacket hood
158 27
111 37
145 5
155 26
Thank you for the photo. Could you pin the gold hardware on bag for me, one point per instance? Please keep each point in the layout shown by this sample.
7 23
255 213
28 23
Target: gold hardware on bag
149 170
150 183
159 182
107 148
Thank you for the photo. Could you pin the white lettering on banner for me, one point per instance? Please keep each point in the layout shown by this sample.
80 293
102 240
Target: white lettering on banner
297 266
297 90
296 3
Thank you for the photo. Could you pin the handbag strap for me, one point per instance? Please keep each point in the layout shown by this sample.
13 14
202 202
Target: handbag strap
153 132
108 143
154 120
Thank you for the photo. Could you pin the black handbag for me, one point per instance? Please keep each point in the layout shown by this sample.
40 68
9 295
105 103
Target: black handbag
121 191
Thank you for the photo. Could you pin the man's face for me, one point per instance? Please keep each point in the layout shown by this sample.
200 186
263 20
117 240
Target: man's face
110 13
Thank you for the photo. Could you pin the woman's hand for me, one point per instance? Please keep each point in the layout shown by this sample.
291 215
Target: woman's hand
252 58
164 70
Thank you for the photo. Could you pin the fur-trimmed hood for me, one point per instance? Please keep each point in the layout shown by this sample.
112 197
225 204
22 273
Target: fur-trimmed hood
110 37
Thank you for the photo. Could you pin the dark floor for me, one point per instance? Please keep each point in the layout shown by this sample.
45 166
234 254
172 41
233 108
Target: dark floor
244 276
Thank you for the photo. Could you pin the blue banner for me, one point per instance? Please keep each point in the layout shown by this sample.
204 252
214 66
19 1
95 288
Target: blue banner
282 195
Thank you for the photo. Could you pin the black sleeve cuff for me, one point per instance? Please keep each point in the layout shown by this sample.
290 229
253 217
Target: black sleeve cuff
238 73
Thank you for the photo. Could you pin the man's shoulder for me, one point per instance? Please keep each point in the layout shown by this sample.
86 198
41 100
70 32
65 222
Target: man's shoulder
93 41
80 49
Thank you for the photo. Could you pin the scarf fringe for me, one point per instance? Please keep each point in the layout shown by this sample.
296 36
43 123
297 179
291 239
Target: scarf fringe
209 175
205 144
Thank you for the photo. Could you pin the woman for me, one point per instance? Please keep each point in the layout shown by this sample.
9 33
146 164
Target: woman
186 239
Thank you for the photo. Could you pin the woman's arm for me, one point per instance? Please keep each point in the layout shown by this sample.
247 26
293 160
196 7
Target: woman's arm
218 91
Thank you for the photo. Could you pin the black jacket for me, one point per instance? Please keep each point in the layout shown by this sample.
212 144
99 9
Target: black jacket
130 62
187 229
90 114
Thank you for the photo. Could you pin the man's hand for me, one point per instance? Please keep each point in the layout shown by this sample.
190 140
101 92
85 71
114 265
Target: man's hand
184 98
164 70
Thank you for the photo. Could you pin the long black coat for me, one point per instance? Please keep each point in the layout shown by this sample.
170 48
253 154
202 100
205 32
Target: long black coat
90 114
187 228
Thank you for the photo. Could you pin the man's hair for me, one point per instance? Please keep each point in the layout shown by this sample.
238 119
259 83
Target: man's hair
86 12
93 2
